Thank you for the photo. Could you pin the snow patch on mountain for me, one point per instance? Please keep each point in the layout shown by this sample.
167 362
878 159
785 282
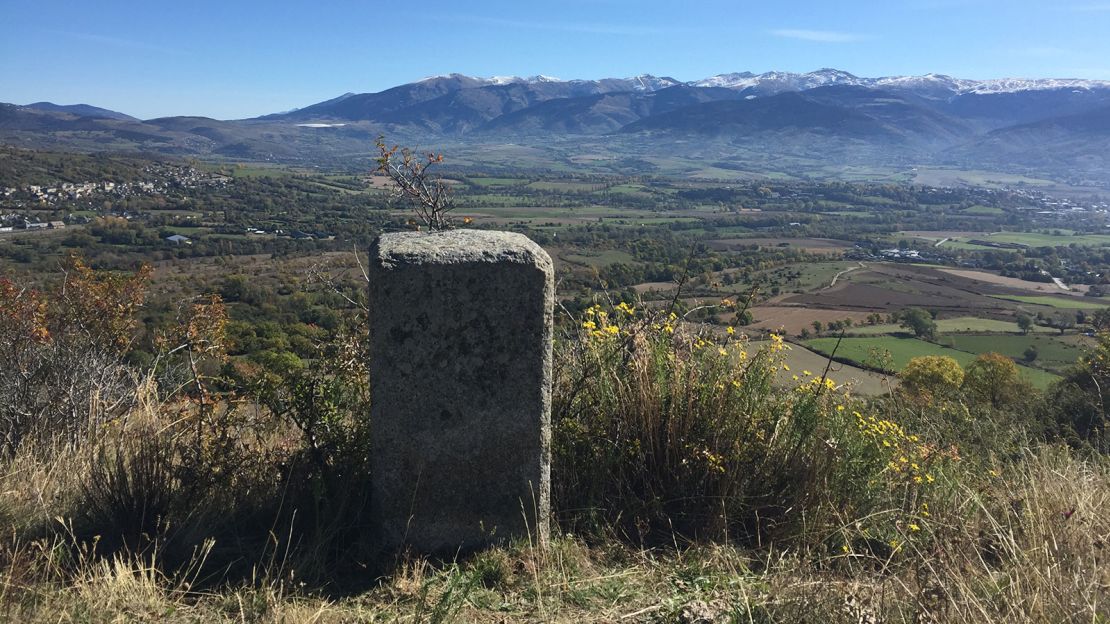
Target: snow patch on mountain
786 81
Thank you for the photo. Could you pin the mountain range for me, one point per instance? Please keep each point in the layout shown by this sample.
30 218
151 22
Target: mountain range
1055 127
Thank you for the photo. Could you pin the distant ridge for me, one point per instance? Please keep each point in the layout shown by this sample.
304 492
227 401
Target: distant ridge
81 110
787 81
1053 126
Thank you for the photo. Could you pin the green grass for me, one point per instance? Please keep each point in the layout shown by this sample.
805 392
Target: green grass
574 187
1052 353
510 208
849 213
627 189
801 359
599 258
813 275
983 210
1072 303
875 330
964 324
972 324
1036 239
496 200
489 181
257 171
902 350
185 229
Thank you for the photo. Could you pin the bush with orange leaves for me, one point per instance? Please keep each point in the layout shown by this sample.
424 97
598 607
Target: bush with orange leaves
61 354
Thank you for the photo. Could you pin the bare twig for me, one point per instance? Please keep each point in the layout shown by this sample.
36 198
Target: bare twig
430 197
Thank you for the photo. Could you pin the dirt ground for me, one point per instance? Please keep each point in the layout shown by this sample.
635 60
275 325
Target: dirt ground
796 318
888 287
1013 282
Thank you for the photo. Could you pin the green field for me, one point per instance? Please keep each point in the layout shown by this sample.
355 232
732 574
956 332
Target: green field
488 181
598 258
850 213
902 350
968 324
1065 238
964 324
1052 354
187 230
800 359
1035 239
561 186
628 189
1071 303
259 171
805 276
983 210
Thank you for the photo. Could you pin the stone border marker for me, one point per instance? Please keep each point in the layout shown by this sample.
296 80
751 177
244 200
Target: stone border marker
460 380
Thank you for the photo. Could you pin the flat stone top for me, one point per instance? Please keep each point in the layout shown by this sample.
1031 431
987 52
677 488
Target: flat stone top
457 247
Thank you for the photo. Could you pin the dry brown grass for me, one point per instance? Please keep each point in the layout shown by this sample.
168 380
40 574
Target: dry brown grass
1003 552
1023 539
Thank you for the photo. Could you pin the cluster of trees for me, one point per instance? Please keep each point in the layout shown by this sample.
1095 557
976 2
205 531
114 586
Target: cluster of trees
1075 410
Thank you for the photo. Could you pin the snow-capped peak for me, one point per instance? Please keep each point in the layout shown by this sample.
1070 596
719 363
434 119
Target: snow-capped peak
1010 85
647 82
928 85
937 83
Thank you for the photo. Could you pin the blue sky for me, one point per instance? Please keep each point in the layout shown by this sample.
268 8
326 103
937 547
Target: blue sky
241 58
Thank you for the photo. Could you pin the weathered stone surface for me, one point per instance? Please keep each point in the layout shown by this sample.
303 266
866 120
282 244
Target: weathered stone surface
460 373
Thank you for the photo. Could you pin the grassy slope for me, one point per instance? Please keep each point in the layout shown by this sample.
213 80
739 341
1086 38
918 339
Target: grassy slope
1051 353
1050 569
801 359
1072 303
902 350
964 324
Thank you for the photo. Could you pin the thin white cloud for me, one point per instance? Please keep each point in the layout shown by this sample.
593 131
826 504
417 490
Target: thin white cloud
821 36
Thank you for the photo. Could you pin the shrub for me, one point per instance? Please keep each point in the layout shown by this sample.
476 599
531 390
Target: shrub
920 322
132 491
994 379
931 376
665 431
1077 409
62 354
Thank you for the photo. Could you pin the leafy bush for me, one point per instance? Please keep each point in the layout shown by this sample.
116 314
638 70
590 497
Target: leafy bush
61 354
663 432
931 376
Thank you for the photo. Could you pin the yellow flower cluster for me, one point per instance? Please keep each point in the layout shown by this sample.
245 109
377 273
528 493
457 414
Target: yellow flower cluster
815 383
905 450
777 343
597 321
668 325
